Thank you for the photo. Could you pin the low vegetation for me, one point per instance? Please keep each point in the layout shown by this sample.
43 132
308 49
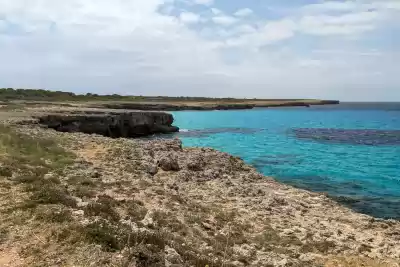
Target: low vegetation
8 94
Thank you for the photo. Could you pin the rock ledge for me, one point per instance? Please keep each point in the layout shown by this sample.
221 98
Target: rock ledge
111 124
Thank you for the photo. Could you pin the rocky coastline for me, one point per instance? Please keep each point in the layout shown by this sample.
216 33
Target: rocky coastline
74 199
211 106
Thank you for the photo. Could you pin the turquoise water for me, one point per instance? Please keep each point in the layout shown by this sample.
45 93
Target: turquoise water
351 152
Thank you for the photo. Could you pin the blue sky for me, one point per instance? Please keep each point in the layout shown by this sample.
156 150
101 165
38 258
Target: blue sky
347 50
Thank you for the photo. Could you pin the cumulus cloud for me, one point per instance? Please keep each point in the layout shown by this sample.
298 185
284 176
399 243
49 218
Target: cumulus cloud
345 24
132 47
189 17
244 12
224 20
216 11
204 2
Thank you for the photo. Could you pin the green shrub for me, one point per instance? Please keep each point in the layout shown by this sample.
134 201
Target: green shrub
22 152
3 235
103 207
136 211
102 233
54 214
6 171
53 195
84 191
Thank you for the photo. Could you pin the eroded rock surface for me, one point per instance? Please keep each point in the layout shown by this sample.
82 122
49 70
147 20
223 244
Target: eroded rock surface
111 124
199 207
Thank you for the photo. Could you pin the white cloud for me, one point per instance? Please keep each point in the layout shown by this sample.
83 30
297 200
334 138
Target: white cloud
129 47
345 24
204 2
354 18
280 30
189 17
352 6
310 63
3 26
243 12
332 6
395 5
216 11
271 32
368 53
245 28
224 20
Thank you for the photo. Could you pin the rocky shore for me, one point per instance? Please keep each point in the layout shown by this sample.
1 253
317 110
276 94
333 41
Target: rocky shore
90 200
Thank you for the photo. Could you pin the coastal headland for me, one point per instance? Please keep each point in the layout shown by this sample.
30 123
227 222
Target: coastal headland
74 197
164 103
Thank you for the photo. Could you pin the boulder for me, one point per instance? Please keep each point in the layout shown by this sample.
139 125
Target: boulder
172 258
169 162
150 168
195 163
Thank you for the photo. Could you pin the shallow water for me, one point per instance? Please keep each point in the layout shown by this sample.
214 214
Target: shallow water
351 152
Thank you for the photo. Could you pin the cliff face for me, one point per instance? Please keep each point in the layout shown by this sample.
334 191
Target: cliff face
113 124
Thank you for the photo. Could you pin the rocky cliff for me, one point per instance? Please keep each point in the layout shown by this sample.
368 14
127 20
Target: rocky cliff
111 124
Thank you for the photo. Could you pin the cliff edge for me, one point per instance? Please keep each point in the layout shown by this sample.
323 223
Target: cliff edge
113 124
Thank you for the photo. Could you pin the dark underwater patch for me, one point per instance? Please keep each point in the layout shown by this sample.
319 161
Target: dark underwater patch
380 207
349 136
268 160
348 194
314 183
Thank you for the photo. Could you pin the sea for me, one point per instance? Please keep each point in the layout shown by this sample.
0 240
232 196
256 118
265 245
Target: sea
349 151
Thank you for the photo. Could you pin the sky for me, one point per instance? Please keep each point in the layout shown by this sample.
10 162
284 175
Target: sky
346 50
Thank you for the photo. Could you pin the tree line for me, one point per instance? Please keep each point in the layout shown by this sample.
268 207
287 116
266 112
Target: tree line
9 94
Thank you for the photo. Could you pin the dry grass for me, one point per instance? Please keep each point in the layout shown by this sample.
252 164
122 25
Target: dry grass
24 156
355 262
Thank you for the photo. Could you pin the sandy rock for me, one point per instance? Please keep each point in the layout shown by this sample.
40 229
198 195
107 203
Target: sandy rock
244 251
150 168
78 213
211 174
172 257
148 220
169 162
195 163
184 175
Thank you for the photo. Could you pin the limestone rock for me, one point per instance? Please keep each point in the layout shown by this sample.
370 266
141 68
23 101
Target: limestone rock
169 162
172 257
195 163
150 168
111 124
